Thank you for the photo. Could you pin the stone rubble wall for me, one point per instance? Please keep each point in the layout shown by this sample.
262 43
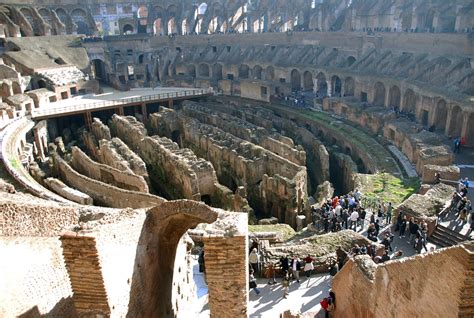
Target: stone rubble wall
275 186
24 216
103 193
280 145
67 192
107 174
116 149
430 283
178 173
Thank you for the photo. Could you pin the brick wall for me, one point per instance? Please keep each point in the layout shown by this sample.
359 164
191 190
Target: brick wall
85 273
227 275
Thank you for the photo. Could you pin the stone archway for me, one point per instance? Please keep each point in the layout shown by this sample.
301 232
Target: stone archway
150 293
243 71
322 84
336 86
191 70
308 84
295 80
441 115
409 101
257 72
455 122
349 86
217 71
203 70
270 73
379 94
394 97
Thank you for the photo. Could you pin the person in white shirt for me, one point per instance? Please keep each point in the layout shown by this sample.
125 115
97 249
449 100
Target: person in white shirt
354 217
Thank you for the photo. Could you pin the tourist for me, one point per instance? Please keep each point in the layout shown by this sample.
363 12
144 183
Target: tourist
285 284
285 263
399 221
362 215
387 241
372 233
419 243
354 217
357 195
413 229
253 282
270 273
463 216
295 268
377 227
385 257
403 226
308 266
388 217
328 304
344 217
253 260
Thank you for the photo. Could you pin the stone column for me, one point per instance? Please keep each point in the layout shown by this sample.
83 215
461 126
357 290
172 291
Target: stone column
329 88
315 85
227 275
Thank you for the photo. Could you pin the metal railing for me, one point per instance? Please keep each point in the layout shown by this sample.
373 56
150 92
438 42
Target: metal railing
44 112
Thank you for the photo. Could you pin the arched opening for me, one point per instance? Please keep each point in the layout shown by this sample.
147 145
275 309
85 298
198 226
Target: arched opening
269 73
155 255
409 101
469 136
140 59
243 71
203 70
5 90
379 94
98 69
172 27
217 71
127 29
158 27
441 115
322 85
191 70
349 86
308 84
16 88
295 80
184 27
455 124
176 137
394 97
351 60
79 17
257 72
336 85
41 84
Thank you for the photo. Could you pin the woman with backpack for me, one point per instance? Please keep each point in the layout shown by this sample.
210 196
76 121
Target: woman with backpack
328 304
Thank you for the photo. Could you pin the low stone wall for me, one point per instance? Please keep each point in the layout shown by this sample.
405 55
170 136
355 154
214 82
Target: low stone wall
419 286
115 150
447 173
125 180
103 193
67 192
26 216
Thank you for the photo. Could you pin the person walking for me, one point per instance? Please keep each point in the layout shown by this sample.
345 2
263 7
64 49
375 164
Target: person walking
295 268
388 216
308 266
403 226
286 284
413 228
253 260
253 282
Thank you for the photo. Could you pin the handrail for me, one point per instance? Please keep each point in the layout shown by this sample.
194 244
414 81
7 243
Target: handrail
119 102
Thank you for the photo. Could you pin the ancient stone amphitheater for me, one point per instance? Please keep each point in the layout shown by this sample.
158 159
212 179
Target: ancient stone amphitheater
133 132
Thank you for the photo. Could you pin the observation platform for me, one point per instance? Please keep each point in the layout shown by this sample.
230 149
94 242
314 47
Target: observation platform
113 99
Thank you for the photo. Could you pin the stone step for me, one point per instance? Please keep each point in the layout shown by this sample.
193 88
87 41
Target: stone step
452 234
438 239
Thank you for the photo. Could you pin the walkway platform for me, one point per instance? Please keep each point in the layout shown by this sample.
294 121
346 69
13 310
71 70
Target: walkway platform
113 99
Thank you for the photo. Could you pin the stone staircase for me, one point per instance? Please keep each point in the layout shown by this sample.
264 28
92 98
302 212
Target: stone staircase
445 237
466 306
85 273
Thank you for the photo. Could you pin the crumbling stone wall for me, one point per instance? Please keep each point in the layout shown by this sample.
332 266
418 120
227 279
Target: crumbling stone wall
104 173
418 286
103 193
275 186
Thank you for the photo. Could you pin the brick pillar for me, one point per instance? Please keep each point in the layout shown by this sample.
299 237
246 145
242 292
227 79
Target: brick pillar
227 275
85 273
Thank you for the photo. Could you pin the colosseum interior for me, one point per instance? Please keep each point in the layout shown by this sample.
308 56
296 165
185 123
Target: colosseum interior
137 134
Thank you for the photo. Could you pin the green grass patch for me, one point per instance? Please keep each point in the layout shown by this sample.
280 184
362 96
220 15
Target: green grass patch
385 187
14 163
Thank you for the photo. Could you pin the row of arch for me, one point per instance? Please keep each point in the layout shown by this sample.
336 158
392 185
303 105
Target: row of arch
406 101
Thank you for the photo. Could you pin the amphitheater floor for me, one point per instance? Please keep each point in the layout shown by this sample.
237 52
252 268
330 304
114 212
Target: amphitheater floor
304 297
